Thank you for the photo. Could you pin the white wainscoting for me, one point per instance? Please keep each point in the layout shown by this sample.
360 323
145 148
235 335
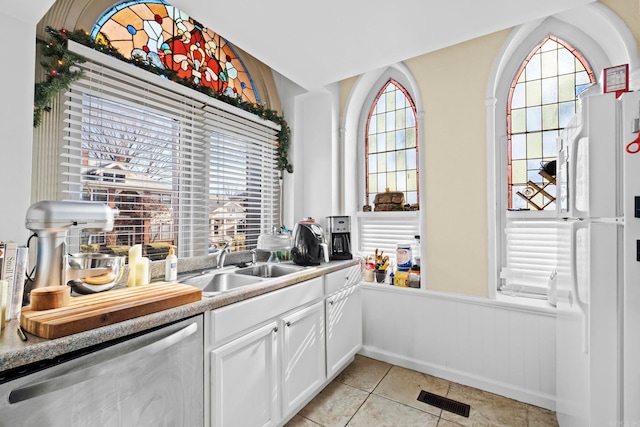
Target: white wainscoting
499 347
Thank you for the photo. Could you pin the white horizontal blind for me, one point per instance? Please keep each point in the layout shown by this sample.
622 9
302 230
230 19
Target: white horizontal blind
136 147
384 230
167 160
244 191
531 247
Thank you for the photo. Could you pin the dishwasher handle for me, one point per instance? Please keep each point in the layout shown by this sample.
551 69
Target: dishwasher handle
40 388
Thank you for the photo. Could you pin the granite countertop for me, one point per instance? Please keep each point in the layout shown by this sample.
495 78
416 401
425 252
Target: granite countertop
15 353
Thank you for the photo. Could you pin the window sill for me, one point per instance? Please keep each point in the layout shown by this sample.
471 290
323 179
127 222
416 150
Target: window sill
535 304
388 214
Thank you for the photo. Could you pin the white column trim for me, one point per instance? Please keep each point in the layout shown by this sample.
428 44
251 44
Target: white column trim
494 244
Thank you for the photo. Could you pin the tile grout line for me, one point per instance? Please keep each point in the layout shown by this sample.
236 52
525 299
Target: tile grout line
369 393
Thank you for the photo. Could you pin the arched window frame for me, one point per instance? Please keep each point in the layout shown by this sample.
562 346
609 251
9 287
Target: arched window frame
545 202
368 142
603 38
352 134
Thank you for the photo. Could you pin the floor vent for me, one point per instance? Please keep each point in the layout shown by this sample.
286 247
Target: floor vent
444 403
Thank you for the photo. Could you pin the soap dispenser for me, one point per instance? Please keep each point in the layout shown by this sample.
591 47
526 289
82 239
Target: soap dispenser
171 266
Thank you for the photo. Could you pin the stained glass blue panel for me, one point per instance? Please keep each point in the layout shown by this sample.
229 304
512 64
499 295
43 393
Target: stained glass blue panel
518 96
534 119
519 146
400 139
549 90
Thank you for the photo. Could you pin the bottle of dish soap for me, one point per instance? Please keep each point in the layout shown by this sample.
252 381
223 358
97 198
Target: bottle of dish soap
171 266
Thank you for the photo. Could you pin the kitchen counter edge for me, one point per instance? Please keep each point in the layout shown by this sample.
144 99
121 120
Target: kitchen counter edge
15 353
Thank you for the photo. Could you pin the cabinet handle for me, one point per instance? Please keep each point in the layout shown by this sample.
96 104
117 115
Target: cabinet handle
330 302
346 278
288 323
275 329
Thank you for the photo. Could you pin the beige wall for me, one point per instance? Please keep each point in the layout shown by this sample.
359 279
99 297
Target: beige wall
453 84
629 11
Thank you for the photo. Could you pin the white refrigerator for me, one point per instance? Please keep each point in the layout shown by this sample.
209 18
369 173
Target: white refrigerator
598 272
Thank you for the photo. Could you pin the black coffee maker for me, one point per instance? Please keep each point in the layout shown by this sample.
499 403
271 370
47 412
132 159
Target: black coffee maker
340 237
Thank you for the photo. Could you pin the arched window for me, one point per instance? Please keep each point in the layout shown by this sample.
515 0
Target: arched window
542 99
522 244
391 154
166 37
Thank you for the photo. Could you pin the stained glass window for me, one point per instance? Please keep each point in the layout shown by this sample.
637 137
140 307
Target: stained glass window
168 38
392 144
541 101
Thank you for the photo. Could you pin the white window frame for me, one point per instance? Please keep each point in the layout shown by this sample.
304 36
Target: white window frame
602 38
240 126
356 114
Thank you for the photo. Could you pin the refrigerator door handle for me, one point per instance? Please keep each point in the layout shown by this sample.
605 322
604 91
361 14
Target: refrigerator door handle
583 306
56 383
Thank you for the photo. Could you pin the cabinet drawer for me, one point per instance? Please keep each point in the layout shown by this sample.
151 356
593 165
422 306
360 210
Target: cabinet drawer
341 279
231 320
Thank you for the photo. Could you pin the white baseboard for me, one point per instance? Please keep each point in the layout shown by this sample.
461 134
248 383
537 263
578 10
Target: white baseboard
542 400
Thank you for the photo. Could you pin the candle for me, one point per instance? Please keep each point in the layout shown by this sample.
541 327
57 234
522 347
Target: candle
135 253
142 271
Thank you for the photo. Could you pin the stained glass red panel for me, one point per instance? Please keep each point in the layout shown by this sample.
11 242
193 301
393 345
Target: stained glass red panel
166 37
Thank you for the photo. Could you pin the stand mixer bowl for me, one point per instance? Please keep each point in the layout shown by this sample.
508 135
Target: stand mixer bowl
90 273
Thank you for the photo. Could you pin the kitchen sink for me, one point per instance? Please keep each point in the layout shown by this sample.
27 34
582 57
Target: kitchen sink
213 282
269 270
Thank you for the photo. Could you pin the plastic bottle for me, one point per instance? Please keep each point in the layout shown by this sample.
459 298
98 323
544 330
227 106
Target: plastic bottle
403 256
171 266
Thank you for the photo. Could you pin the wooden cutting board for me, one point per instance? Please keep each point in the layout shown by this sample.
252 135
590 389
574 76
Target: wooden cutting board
92 311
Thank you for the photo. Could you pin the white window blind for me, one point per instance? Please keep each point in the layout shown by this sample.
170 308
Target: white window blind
531 247
384 230
183 169
244 190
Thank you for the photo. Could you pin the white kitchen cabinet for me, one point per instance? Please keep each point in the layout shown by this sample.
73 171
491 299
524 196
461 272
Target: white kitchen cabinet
303 355
241 317
267 355
343 323
244 383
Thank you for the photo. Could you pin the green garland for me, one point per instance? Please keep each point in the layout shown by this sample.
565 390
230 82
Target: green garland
61 73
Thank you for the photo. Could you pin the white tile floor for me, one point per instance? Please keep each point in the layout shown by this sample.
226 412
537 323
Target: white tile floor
374 393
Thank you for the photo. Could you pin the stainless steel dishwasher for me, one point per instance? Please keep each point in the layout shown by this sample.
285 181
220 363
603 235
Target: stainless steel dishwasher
153 379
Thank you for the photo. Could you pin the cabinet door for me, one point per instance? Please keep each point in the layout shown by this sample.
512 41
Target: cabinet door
303 358
244 386
344 328
341 279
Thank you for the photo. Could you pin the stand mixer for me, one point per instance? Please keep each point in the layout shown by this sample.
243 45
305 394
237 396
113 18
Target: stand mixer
50 221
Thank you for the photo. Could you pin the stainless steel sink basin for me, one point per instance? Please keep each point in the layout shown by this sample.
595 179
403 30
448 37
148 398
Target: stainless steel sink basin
213 282
269 270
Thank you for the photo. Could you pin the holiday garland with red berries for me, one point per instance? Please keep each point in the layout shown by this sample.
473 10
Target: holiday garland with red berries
61 73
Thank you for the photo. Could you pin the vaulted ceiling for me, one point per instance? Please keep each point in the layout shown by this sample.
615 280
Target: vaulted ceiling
318 43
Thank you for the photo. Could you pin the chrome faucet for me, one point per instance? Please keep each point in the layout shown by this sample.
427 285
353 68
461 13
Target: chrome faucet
222 255
254 256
